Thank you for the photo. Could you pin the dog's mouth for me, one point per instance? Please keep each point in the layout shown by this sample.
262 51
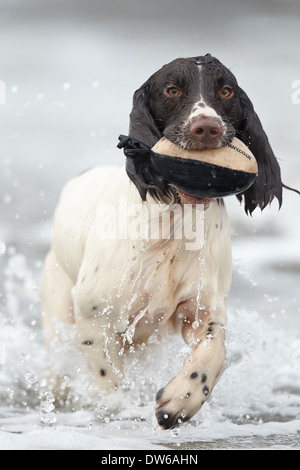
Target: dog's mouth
171 176
147 179
183 198
192 144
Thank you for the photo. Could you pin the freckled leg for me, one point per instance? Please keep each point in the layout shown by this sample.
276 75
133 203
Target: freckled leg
98 341
57 307
185 394
101 346
57 302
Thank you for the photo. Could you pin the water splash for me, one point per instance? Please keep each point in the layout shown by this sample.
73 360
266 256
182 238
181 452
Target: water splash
259 393
129 333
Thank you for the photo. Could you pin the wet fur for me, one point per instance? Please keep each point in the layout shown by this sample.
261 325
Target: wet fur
112 286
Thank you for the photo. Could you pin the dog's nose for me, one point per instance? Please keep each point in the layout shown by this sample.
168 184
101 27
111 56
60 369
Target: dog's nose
205 129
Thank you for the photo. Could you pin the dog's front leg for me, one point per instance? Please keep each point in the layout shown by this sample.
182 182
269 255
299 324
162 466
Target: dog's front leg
102 351
101 344
186 393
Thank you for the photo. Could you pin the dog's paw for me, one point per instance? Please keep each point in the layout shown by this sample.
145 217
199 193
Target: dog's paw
181 399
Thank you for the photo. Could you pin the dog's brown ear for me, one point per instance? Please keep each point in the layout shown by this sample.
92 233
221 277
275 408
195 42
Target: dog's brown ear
268 184
142 125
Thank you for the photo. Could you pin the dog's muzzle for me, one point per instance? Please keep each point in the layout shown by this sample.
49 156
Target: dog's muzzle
199 179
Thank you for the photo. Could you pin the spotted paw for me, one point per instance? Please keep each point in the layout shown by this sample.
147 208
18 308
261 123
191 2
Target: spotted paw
181 399
169 420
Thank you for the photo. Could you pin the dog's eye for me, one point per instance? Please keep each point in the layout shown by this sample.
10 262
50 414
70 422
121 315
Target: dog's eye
226 92
173 92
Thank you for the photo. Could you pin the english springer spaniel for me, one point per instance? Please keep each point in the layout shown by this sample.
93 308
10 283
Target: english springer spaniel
116 282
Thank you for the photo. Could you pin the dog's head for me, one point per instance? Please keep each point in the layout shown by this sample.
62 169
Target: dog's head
197 104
